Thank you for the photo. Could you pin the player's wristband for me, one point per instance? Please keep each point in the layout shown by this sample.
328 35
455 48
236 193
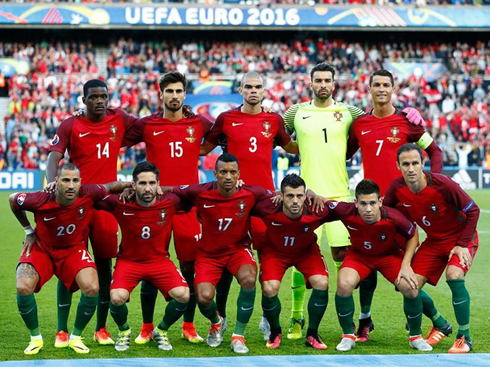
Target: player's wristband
28 230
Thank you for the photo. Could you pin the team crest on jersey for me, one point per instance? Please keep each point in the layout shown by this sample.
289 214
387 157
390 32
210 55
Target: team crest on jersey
191 138
55 140
383 237
394 132
21 198
433 208
267 127
241 205
338 115
81 212
333 204
113 130
182 187
162 215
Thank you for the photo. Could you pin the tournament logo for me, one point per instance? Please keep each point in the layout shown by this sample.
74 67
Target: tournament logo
191 138
383 237
21 198
333 204
306 229
338 115
433 208
55 140
394 132
182 187
241 206
267 127
81 212
113 130
162 215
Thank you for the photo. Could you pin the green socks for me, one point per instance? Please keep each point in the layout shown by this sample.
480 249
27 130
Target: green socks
105 278
222 291
298 288
85 311
173 312
191 305
148 297
64 304
413 312
430 310
461 305
245 307
345 312
28 311
316 308
210 312
272 309
120 316
366 292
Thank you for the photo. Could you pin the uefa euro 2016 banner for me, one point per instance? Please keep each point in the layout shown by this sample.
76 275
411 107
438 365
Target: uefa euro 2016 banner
238 17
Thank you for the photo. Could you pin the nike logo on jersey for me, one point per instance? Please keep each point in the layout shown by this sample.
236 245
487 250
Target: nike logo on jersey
155 133
365 132
82 135
352 228
236 123
124 213
208 206
306 117
406 205
276 224
48 219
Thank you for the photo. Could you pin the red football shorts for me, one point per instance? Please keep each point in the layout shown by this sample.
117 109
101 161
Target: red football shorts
432 258
65 264
273 264
186 232
257 231
104 235
209 269
162 274
388 265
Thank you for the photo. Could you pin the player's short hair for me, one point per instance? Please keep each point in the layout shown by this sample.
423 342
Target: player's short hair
68 167
407 147
367 187
382 72
93 83
250 74
323 66
145 166
292 180
172 77
225 158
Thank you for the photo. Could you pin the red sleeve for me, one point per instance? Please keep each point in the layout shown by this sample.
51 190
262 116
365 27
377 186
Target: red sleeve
455 195
95 192
415 132
134 135
216 129
258 192
108 203
403 226
282 138
435 156
390 198
339 210
206 125
31 201
265 207
189 193
128 119
353 142
174 199
61 141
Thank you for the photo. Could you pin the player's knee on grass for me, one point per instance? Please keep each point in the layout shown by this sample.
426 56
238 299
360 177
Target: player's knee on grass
180 294
119 296
406 290
338 253
271 288
247 276
27 279
319 282
205 293
88 282
454 272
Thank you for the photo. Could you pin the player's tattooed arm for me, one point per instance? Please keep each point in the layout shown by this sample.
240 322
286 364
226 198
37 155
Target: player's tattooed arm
117 187
53 163
206 147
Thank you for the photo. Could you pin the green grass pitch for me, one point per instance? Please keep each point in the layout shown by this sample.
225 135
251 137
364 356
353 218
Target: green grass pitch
389 336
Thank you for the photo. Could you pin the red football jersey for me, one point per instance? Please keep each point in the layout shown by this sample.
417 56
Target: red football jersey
61 227
94 146
375 239
173 146
379 140
443 209
225 221
146 231
250 138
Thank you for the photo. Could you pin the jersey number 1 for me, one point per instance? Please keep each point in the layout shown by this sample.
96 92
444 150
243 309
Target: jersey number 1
102 151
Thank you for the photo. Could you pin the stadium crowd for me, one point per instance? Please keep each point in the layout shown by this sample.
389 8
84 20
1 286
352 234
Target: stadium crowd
455 106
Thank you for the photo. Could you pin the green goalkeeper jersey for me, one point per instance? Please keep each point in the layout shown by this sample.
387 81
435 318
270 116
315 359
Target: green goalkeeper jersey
322 135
